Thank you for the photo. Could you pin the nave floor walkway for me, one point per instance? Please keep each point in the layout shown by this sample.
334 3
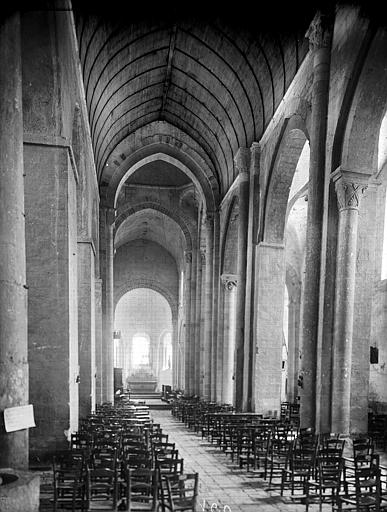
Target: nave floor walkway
223 486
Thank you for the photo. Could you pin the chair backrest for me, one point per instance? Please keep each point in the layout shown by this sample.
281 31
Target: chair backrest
362 446
160 446
329 467
162 455
102 488
101 458
143 489
332 444
170 466
183 489
302 458
139 461
367 482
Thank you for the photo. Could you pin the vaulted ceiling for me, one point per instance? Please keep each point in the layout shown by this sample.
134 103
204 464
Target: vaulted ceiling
211 83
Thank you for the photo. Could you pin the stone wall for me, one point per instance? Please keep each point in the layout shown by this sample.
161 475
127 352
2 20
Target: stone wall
61 195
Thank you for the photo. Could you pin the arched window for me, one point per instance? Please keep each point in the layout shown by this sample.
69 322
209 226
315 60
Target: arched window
140 351
167 352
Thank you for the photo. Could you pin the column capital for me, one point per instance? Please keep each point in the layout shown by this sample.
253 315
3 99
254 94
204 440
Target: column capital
188 256
319 32
209 218
255 154
349 186
110 212
242 162
229 281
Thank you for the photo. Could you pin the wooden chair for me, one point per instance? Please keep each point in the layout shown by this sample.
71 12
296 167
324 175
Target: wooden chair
277 458
300 468
367 493
102 490
69 489
182 492
143 490
167 468
326 487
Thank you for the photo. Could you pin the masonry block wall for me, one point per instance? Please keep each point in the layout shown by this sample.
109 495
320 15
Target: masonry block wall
51 95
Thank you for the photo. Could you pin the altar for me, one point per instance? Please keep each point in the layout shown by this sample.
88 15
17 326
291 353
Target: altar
142 381
144 386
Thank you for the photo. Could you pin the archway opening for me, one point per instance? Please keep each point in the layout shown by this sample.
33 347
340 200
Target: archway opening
377 395
144 318
295 235
285 344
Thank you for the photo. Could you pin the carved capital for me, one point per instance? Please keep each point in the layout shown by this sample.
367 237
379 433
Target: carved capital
188 256
242 162
255 152
109 212
320 31
349 187
209 218
229 281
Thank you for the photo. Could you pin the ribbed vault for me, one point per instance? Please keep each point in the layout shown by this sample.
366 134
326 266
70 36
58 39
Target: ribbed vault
215 85
156 226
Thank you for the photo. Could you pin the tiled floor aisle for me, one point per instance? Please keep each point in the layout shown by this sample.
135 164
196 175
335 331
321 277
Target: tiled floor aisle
223 486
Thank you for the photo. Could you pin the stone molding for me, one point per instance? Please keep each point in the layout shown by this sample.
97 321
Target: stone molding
110 213
350 187
319 32
33 139
229 281
132 284
175 215
242 162
255 152
209 219
87 241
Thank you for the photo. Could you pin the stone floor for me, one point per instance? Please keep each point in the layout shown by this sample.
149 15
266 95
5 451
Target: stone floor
223 486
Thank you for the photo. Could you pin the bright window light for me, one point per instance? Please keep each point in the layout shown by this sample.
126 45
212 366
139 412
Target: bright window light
140 351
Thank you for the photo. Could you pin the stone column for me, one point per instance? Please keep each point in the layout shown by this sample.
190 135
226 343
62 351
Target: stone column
320 43
188 345
242 162
175 353
215 305
98 341
209 223
13 294
293 346
192 321
201 365
198 314
249 355
349 189
107 215
222 314
86 326
229 283
367 267
269 308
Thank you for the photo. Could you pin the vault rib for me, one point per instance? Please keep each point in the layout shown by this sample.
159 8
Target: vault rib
168 73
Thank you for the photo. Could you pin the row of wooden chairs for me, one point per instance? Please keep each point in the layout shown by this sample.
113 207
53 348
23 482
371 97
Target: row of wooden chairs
121 460
311 466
